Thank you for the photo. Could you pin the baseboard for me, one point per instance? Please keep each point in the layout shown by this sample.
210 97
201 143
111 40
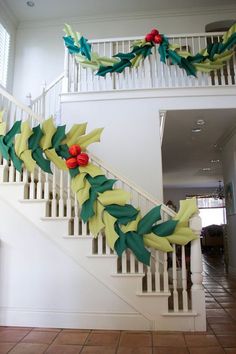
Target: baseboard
80 320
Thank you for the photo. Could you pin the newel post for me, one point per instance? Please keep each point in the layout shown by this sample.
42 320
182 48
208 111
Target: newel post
197 289
65 81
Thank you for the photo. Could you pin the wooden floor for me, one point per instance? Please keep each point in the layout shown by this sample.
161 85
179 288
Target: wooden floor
219 338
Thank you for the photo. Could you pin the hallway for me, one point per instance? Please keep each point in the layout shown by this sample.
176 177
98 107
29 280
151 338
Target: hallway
220 336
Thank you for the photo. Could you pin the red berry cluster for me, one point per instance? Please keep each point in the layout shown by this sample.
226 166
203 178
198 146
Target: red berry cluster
78 158
154 36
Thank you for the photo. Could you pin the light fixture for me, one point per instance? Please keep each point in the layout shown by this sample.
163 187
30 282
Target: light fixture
200 122
219 193
196 130
215 161
30 3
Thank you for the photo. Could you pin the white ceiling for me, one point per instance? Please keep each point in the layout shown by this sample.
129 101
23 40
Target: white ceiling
185 154
55 9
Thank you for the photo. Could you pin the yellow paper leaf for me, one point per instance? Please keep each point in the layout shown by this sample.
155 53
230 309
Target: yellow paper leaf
111 235
3 127
83 194
92 170
74 133
187 209
229 33
90 138
78 182
26 157
157 242
132 225
182 236
57 160
116 196
21 140
96 222
49 130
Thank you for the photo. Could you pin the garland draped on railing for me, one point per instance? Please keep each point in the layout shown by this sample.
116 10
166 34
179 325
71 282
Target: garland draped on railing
210 58
106 209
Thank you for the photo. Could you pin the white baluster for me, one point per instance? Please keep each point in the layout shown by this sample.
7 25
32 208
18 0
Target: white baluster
124 262
184 280
31 187
54 194
46 187
100 244
165 273
61 199
76 218
174 276
132 263
39 185
11 172
68 201
149 280
157 272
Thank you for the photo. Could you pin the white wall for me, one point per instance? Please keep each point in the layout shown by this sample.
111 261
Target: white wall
229 171
40 50
131 138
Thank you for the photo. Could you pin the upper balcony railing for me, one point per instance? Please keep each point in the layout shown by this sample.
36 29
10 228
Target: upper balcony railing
152 73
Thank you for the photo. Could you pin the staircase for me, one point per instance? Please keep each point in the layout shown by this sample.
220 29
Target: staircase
55 274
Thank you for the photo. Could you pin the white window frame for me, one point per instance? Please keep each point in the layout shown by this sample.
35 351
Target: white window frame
4 55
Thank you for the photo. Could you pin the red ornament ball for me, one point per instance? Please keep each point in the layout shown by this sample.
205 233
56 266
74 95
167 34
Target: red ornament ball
82 159
154 32
74 150
158 39
71 162
149 37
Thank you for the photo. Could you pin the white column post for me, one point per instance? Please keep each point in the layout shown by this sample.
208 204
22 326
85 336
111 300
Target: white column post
65 81
197 290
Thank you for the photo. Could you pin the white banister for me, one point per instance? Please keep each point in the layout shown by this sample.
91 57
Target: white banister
152 73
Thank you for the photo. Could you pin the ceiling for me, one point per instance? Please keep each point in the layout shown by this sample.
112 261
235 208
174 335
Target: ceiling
186 154
55 9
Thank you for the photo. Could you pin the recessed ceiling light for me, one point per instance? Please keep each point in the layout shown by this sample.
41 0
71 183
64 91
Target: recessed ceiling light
196 130
30 3
206 169
200 122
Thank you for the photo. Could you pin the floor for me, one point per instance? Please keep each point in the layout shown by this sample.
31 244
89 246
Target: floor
219 338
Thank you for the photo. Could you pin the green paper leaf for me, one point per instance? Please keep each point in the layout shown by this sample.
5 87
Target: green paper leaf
165 229
15 159
123 214
58 136
63 151
146 223
8 139
4 148
43 163
135 242
35 138
85 47
87 210
73 172
120 244
70 44
127 56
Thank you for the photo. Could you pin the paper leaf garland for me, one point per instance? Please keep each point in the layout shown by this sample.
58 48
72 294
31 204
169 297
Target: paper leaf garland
105 208
213 57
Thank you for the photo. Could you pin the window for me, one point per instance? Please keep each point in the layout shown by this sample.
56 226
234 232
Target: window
4 54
